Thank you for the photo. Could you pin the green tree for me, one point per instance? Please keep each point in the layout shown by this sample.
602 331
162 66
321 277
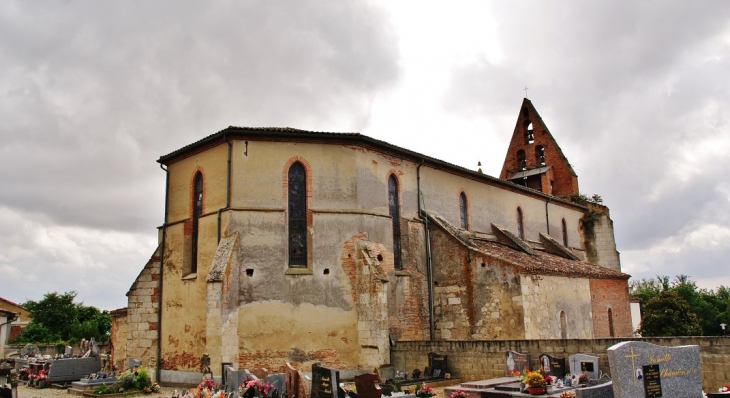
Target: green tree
668 314
57 318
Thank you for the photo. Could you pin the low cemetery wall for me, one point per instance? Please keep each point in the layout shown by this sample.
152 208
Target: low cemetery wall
479 360
49 349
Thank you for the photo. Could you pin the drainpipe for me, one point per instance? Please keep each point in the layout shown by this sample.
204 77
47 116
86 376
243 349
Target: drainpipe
159 280
429 267
228 187
547 215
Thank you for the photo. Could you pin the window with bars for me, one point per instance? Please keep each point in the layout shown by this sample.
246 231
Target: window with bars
394 211
197 212
297 214
463 211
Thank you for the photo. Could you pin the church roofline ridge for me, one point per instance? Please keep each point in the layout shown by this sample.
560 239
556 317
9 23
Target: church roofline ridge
289 133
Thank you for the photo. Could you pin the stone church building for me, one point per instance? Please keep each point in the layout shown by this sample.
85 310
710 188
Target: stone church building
286 245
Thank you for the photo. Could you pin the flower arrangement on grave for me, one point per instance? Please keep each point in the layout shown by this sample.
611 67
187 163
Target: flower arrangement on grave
459 394
534 379
425 392
568 394
549 380
725 388
206 383
257 388
583 378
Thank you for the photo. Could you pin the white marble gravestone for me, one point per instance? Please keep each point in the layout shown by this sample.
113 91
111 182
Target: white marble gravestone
640 369
580 363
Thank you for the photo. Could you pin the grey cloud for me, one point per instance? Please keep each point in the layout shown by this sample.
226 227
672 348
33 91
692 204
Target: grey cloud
94 92
627 88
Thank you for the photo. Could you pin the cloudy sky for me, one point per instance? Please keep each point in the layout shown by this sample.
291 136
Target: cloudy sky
92 93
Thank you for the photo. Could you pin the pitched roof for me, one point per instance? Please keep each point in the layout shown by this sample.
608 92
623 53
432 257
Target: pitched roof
541 263
289 134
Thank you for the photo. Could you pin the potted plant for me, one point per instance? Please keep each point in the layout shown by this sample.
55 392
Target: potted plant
535 383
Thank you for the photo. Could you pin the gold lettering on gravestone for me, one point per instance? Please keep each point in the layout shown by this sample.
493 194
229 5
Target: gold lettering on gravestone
652 381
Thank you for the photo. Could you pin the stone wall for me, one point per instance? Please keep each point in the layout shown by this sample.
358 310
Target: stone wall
478 360
142 321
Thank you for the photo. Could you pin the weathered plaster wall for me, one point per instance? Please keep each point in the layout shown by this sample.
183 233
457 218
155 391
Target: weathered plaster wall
600 242
544 297
476 297
611 294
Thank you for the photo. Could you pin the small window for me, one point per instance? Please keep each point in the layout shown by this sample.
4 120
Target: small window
297 207
565 234
520 224
610 323
529 133
463 211
521 160
394 211
540 155
197 212
563 326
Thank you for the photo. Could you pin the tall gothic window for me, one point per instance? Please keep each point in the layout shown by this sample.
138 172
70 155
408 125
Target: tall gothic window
197 212
463 211
394 211
297 196
565 234
520 224
563 326
521 160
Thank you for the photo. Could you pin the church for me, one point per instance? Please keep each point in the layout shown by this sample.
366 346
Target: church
283 245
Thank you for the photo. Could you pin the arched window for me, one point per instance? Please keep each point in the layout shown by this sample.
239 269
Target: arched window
610 323
297 197
563 326
529 134
540 155
565 234
394 211
197 212
521 161
520 224
463 211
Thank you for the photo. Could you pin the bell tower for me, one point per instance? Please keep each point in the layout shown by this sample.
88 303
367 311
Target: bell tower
534 158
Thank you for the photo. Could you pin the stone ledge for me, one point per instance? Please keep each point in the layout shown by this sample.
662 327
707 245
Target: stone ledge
299 271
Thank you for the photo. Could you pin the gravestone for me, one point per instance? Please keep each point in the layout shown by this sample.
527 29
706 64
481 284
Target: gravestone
438 364
367 386
642 369
325 382
295 383
553 366
580 363
134 363
515 362
261 373
234 378
604 390
278 380
68 352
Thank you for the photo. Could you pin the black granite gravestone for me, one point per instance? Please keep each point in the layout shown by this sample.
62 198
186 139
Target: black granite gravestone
437 361
553 366
325 382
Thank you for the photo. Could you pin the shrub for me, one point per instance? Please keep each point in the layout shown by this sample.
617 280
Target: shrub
143 379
